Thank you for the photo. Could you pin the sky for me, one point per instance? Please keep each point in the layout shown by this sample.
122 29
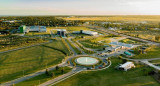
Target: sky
79 7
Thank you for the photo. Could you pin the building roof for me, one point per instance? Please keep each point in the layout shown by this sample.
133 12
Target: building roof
126 64
122 44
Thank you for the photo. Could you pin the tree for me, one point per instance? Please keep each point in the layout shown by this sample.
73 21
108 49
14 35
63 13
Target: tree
93 66
57 67
47 72
104 64
62 71
157 38
52 74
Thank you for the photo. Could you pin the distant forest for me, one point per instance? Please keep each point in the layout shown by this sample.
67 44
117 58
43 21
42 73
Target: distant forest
31 20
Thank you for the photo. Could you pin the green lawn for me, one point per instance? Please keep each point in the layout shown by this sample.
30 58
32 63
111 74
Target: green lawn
29 60
129 41
76 50
43 78
155 61
153 53
112 77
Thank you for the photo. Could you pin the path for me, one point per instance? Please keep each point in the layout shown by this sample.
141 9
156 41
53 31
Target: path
146 61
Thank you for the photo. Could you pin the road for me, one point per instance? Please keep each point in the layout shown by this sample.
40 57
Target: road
77 46
30 75
62 77
146 61
74 52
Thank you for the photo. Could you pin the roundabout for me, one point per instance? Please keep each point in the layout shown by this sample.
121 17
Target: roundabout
86 61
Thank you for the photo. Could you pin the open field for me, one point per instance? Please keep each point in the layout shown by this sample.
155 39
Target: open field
76 50
70 29
112 77
155 61
130 41
15 64
12 42
151 53
97 42
147 34
117 18
43 78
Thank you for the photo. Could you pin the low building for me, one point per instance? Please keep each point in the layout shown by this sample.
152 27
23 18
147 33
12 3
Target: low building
92 33
61 32
3 32
126 66
123 45
26 29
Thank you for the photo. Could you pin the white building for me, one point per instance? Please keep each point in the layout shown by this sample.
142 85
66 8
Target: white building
37 28
90 33
86 32
126 66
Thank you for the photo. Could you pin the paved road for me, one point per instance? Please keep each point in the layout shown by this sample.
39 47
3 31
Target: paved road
146 61
74 52
76 46
115 33
62 77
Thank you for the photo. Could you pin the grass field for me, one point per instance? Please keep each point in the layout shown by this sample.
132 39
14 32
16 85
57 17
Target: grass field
76 50
147 34
155 61
14 64
71 29
112 77
43 78
151 53
95 42
130 18
129 41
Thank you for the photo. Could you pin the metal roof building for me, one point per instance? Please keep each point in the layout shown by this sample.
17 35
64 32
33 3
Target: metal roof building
122 44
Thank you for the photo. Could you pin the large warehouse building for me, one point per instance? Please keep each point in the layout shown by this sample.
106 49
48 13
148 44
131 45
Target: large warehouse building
85 32
26 29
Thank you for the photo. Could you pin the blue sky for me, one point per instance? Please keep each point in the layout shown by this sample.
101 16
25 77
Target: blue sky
79 7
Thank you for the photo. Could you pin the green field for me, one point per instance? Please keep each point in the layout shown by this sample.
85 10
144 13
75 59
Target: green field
76 50
155 61
112 77
151 53
146 34
15 64
43 78
95 42
129 18
70 29
130 41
